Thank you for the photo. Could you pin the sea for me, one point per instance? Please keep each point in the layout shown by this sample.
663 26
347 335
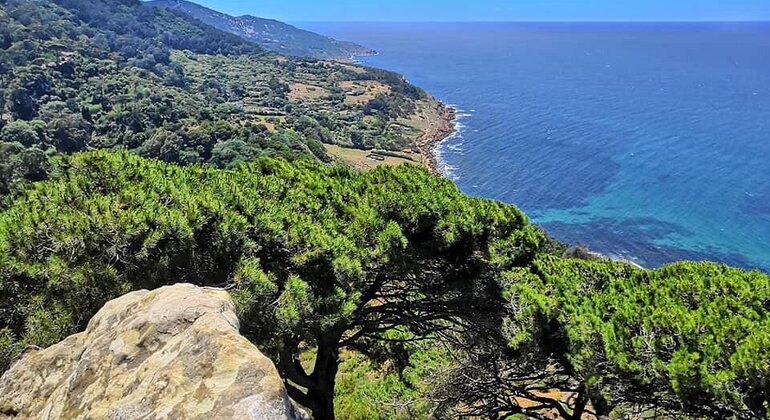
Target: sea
643 141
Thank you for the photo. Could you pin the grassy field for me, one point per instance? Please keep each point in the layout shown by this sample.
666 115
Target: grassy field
362 91
358 158
302 92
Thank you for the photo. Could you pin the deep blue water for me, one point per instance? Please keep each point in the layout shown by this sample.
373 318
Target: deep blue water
649 142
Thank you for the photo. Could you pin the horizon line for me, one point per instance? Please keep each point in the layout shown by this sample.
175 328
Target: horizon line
538 21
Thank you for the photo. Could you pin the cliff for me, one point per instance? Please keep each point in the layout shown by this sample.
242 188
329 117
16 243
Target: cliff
171 353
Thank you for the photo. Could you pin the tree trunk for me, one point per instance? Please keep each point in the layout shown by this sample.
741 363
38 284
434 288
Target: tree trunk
324 377
319 397
323 404
580 403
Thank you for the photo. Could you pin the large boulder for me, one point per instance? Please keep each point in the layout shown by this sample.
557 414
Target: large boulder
170 353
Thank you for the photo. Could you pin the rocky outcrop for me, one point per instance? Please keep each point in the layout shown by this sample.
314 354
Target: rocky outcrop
442 125
171 353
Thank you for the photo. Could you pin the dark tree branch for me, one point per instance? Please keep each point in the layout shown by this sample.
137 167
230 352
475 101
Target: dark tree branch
299 397
293 370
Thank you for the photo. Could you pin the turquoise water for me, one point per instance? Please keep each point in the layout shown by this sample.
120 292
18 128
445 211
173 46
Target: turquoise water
643 141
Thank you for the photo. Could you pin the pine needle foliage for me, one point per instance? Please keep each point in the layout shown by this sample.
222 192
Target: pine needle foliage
316 256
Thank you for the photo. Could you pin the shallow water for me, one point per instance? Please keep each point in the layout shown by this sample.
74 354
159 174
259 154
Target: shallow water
643 141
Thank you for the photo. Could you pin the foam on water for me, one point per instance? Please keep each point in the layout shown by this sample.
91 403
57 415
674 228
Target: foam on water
452 144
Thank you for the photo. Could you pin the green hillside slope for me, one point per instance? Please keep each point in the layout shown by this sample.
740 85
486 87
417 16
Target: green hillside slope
80 75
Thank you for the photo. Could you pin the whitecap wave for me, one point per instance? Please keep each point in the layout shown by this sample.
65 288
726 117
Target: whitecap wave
452 144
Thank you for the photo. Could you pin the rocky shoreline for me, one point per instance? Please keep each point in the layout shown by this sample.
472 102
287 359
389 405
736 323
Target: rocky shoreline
443 129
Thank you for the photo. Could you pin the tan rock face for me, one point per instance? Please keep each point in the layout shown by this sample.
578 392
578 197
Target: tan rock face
171 353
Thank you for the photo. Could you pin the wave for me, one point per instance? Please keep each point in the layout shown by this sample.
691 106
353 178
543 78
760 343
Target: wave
452 144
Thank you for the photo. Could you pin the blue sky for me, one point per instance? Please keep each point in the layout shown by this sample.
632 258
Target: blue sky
496 10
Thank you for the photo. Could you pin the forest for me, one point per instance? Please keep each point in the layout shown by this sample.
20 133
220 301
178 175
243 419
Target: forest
460 304
110 74
141 148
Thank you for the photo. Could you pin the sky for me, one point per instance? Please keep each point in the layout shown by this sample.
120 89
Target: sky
495 10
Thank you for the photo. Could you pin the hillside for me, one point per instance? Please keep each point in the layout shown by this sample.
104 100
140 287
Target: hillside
388 293
113 74
268 33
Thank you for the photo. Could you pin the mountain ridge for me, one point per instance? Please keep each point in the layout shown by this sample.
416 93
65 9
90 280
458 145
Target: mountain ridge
271 34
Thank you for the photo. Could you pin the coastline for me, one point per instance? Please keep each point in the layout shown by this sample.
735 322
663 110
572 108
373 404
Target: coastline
437 133
445 128
443 125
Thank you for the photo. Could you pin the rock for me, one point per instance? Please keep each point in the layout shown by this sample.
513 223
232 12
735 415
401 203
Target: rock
171 353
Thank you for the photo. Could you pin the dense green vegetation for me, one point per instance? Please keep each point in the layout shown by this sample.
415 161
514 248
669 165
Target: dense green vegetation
688 338
80 75
318 257
692 334
328 264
